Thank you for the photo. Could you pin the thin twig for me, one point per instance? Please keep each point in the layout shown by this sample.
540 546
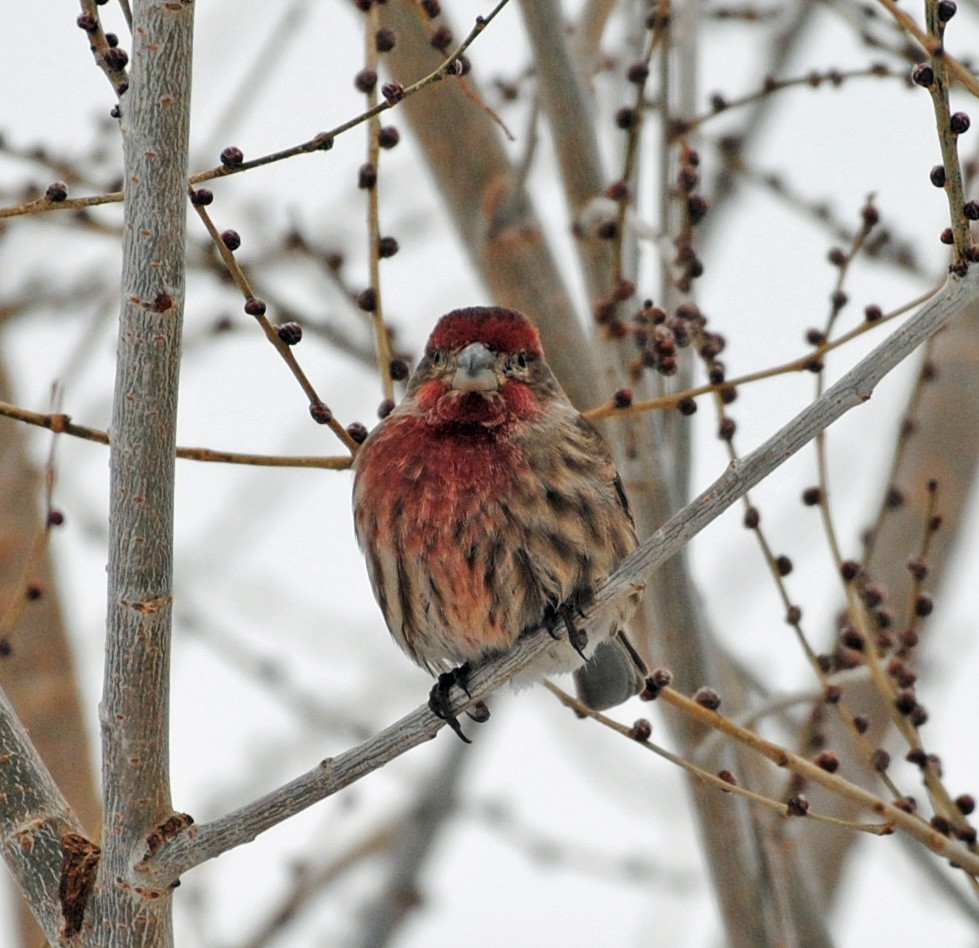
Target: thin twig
947 137
321 142
62 424
382 339
256 308
801 364
914 826
324 140
698 773
933 47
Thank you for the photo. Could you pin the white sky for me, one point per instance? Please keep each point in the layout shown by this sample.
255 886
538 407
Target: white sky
266 563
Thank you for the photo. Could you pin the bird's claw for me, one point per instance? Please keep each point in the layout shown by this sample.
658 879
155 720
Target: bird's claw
440 705
578 638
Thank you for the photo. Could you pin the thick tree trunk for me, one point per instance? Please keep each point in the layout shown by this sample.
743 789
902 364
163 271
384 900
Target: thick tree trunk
37 673
135 703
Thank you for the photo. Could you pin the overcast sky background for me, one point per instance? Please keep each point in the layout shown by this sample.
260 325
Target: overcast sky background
267 567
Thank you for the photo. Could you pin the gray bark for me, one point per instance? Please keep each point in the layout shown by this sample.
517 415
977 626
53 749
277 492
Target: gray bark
134 708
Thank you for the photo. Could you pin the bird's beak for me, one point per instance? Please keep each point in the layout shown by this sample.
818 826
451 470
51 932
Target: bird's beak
475 369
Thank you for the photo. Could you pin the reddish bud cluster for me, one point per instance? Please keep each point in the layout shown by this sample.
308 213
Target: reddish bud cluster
623 290
357 431
880 760
388 137
625 118
114 57
659 679
660 336
231 157
923 75
365 80
946 10
828 761
367 300
641 731
56 192
367 176
959 123
290 333
902 673
320 413
853 639
797 805
907 804
637 73
812 496
894 498
442 38
385 40
622 398
393 91
708 698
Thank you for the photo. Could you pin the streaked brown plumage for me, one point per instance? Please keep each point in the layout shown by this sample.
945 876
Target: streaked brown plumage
485 503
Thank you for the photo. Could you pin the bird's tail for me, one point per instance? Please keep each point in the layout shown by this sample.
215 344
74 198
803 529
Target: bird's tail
613 674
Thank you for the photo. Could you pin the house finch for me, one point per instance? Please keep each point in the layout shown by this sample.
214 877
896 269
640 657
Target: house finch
487 505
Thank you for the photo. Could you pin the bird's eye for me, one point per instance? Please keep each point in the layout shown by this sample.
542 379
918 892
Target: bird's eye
522 360
438 358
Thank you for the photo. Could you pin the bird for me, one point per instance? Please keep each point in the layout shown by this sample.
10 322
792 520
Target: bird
487 505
